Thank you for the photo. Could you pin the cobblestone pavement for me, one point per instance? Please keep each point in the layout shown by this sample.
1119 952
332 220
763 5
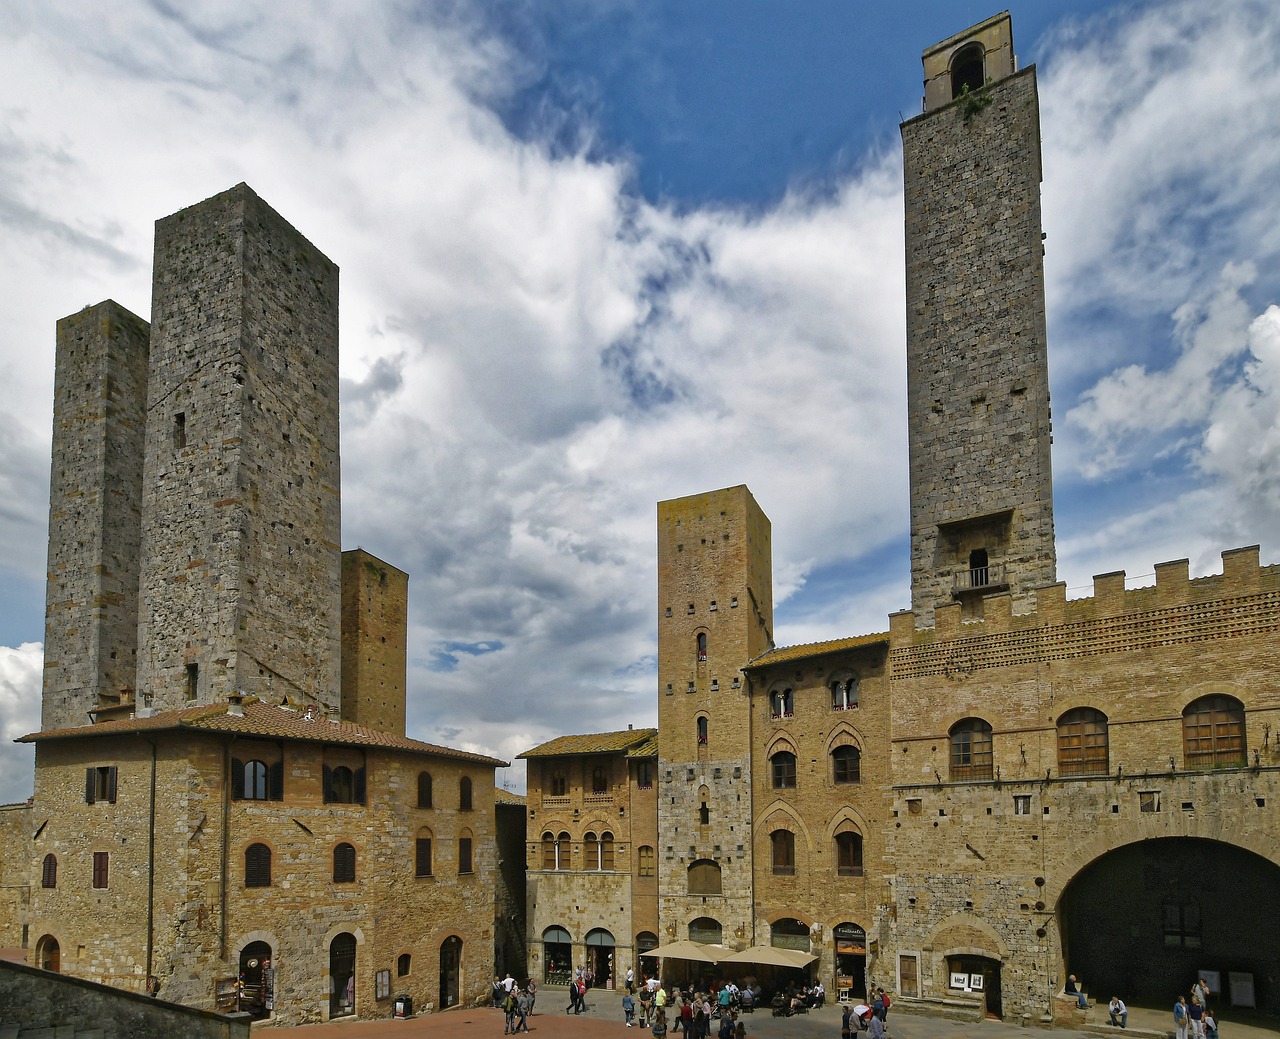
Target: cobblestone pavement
604 1018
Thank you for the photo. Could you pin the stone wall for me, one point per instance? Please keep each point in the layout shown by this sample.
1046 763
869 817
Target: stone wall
240 515
95 498
37 1002
15 874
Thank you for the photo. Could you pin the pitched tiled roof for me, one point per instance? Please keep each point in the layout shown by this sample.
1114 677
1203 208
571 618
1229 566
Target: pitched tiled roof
509 797
591 743
261 719
647 749
783 654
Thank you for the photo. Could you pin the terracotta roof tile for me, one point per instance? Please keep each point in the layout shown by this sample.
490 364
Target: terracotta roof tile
262 719
591 743
509 797
647 749
783 654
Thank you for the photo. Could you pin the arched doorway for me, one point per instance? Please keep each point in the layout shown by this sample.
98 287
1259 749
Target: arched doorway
789 933
557 956
342 975
648 965
49 954
850 961
600 957
450 971
978 975
257 980
1143 920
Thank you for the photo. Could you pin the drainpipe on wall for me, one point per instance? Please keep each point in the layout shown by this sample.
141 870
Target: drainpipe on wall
151 866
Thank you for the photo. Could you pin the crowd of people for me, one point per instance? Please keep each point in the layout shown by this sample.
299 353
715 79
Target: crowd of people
1192 1019
692 1013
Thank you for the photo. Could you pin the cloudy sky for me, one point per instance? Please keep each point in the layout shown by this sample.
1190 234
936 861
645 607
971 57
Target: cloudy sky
599 254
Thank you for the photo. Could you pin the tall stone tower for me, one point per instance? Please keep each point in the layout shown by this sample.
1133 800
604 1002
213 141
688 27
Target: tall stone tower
95 500
977 368
375 653
715 613
241 570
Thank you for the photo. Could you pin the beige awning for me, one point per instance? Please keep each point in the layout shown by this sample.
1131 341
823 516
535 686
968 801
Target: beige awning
771 956
687 950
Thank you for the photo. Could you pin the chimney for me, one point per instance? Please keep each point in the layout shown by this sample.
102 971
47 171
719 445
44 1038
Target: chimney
235 705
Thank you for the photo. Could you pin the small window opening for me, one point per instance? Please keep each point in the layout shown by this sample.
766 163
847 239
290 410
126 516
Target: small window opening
193 680
180 430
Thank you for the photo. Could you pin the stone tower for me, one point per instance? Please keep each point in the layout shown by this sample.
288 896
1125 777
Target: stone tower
375 655
95 498
977 367
241 570
715 613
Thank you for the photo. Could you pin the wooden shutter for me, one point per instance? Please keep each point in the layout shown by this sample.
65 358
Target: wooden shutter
90 785
237 779
275 781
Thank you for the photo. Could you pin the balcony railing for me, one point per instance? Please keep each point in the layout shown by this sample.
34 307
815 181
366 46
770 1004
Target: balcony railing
981 577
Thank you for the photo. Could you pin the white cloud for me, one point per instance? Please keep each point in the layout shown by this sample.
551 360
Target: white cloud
21 669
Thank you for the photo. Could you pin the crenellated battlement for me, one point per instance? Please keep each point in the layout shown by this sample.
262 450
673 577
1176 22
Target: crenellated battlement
1242 599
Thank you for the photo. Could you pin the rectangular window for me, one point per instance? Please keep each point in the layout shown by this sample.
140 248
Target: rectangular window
1021 804
464 854
644 775
100 784
422 867
1149 800
100 866
180 430
646 861
193 681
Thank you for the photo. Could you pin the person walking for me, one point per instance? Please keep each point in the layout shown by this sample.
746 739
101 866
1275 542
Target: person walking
532 989
1181 1018
628 1006
509 1014
523 1006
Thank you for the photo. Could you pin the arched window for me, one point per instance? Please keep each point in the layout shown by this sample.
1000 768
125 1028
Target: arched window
464 793
403 964
255 781
548 850
844 694
600 780
781 702
704 814
606 850
782 767
257 866
590 851
706 931
49 871
783 846
702 647
344 864
422 853
849 854
967 69
704 877
465 862
563 851
1082 743
971 749
646 859
702 730
1213 733
557 784
424 789
846 765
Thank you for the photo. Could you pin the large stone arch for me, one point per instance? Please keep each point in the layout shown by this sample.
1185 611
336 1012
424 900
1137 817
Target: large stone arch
961 934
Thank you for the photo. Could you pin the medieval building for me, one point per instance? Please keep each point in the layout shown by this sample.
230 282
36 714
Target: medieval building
1005 785
225 799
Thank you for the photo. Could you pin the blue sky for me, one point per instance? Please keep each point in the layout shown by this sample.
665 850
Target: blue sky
595 255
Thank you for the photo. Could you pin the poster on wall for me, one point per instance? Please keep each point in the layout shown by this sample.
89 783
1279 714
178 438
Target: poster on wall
1241 990
960 979
975 982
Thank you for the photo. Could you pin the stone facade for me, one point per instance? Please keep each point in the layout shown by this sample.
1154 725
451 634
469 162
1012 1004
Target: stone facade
590 862
977 367
15 877
164 884
95 503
